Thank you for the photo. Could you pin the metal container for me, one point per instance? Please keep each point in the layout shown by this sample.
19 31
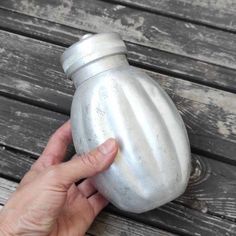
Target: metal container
114 99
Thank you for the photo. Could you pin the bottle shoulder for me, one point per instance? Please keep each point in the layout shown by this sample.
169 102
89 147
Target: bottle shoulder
123 74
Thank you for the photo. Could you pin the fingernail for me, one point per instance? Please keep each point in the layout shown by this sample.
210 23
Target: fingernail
108 146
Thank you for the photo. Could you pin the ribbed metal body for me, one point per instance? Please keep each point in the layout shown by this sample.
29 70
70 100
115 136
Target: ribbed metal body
153 163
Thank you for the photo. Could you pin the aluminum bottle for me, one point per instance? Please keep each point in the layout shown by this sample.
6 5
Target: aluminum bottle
114 99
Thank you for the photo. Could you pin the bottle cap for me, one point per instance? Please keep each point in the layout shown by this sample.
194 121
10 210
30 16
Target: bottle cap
90 48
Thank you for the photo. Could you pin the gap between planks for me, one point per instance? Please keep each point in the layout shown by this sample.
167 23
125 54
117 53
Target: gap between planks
147 29
211 187
208 113
153 59
107 224
215 14
208 225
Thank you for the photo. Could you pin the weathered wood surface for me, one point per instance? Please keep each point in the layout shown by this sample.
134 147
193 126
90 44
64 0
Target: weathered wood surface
183 220
30 71
217 13
211 189
171 216
14 165
106 224
144 28
154 59
25 127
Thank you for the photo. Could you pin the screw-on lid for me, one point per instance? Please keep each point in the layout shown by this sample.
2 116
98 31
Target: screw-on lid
90 48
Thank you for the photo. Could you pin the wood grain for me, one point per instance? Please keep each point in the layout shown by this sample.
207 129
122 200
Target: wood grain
30 71
143 28
171 216
27 128
218 13
183 220
107 224
14 165
211 188
154 59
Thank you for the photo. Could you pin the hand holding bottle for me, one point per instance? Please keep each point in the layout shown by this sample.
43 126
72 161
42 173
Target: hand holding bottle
47 201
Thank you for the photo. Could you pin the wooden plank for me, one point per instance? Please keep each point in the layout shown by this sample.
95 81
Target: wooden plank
7 187
107 224
211 188
202 110
13 164
183 220
30 71
148 29
27 128
154 59
171 216
32 66
220 14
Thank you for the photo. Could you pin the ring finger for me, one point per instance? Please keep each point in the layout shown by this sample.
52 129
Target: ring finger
86 188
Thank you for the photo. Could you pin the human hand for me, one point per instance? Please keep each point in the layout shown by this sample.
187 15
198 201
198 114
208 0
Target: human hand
47 201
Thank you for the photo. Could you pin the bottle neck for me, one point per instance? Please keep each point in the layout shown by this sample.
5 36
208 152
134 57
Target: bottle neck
95 67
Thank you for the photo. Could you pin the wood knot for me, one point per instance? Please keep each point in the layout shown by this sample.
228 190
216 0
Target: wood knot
200 171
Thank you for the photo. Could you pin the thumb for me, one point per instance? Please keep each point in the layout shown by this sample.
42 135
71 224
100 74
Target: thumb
87 165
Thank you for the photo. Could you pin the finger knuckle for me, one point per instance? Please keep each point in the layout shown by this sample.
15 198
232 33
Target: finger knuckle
91 161
53 173
62 136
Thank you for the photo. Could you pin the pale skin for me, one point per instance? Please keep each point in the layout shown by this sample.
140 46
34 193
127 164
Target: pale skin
47 201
